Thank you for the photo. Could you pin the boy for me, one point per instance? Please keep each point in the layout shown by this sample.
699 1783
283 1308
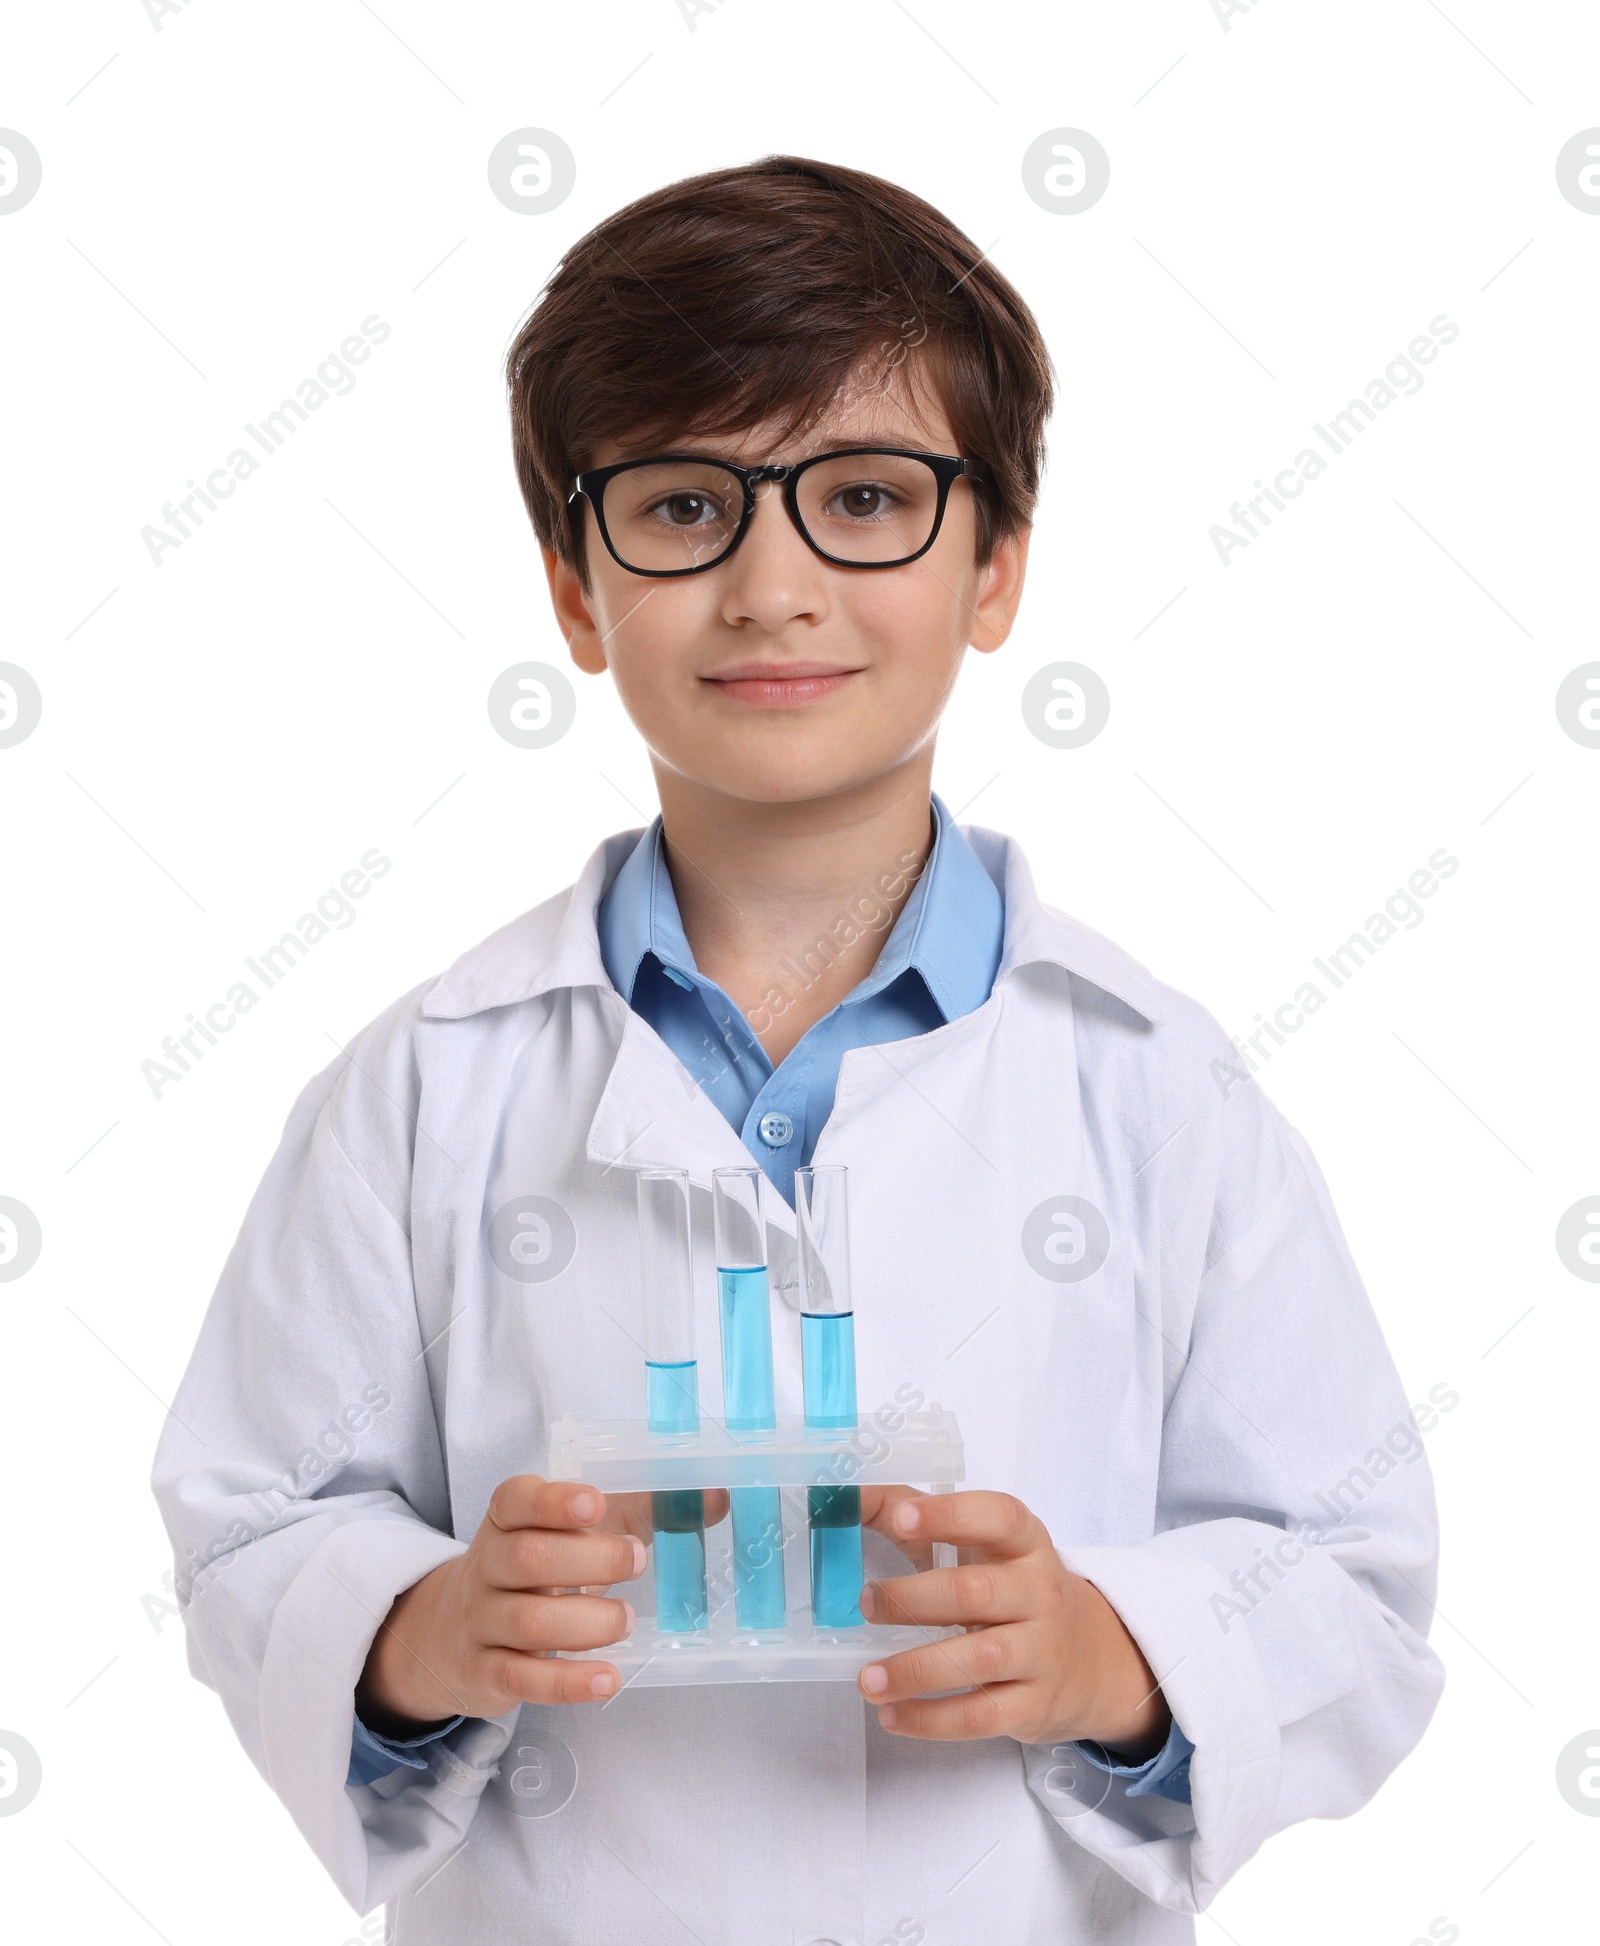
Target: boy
1188 1622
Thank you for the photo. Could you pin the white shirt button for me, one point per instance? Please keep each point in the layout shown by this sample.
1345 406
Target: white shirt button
776 1130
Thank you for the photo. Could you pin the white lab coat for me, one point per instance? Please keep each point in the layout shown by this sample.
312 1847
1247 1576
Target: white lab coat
1171 1418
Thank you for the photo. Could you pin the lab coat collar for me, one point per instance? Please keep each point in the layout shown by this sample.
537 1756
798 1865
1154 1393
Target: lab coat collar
557 944
1038 933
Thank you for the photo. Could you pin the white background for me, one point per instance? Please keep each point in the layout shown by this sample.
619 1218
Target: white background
306 677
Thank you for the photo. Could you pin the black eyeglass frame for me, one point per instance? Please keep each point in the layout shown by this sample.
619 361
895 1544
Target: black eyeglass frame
946 468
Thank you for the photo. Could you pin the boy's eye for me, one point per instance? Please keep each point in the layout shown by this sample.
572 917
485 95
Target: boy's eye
687 509
865 500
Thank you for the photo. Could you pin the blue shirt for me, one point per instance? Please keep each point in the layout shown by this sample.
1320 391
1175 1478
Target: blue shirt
938 962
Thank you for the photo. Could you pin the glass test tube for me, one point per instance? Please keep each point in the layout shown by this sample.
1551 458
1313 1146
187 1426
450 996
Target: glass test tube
828 1353
678 1519
747 1388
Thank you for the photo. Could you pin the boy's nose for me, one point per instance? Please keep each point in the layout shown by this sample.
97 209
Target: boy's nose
773 577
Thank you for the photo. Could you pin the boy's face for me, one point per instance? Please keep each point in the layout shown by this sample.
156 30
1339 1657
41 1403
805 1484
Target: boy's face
775 677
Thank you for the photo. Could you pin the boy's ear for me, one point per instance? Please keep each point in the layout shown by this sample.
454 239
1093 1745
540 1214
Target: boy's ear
1000 592
571 605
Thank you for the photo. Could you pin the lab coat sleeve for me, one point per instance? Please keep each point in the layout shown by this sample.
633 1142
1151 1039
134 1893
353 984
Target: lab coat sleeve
1284 1601
302 1483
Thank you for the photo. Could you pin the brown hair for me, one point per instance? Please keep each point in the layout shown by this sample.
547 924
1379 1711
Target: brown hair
753 294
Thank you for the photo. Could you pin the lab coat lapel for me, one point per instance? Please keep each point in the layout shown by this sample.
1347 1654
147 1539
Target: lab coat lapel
653 1115
952 1141
985 1107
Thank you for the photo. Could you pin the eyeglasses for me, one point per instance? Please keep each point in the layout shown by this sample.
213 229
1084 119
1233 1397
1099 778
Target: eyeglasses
862 507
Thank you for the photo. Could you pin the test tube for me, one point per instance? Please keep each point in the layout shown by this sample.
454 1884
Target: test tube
743 1306
672 1404
828 1356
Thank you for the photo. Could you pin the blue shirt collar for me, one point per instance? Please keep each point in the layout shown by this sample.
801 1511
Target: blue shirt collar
949 931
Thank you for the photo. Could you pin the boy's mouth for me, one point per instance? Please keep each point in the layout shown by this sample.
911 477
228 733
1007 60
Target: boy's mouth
781 685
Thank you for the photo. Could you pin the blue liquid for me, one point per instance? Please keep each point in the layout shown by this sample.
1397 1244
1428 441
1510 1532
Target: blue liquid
828 1353
758 1558
746 1350
828 1358
835 1556
672 1399
679 1523
678 1520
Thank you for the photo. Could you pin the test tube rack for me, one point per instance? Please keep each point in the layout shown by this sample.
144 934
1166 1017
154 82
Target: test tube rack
892 1446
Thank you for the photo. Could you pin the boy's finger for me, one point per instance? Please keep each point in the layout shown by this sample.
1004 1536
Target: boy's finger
977 1592
996 1522
958 1719
985 1657
550 1679
627 1513
530 1501
877 1507
630 1513
546 1557
877 1503
536 1624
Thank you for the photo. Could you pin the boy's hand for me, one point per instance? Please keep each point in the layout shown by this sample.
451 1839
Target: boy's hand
475 1636
1046 1658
